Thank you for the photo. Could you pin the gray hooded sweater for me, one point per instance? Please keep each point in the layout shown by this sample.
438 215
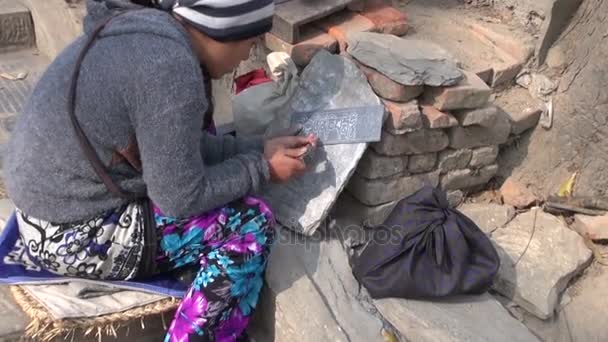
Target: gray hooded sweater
141 78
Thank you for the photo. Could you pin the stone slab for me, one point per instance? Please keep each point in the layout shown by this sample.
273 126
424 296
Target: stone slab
361 214
373 165
478 136
488 216
471 93
313 294
553 255
472 319
381 191
467 179
594 227
405 61
422 163
328 82
418 142
483 156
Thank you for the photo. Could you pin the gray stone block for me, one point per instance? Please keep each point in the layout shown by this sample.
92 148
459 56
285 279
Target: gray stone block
465 179
554 254
485 116
381 191
450 160
422 162
374 165
361 214
477 136
488 216
483 156
422 141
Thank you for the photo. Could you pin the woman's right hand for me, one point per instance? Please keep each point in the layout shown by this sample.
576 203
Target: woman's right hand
284 156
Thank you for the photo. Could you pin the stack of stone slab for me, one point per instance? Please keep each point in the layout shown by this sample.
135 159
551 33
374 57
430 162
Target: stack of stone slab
441 127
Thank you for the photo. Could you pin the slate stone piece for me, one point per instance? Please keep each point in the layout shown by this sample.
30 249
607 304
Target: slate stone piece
407 61
329 82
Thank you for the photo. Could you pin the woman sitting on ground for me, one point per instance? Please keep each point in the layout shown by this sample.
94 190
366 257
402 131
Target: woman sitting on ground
114 178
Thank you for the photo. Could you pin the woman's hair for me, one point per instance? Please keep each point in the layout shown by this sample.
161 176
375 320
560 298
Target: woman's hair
146 3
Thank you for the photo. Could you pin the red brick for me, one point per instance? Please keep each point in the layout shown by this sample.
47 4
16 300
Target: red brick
340 25
471 93
434 118
302 52
402 117
387 19
389 89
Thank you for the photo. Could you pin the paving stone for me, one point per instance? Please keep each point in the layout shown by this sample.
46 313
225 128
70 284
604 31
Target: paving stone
306 201
594 227
450 160
405 61
465 179
373 165
418 142
16 26
402 117
385 190
524 120
387 19
553 255
302 53
434 118
312 294
389 89
478 136
342 25
488 216
14 320
485 116
483 156
420 163
455 198
516 194
469 318
471 93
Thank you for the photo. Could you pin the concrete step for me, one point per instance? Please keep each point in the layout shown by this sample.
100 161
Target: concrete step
16 26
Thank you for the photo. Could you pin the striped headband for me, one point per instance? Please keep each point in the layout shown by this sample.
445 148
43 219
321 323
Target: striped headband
224 20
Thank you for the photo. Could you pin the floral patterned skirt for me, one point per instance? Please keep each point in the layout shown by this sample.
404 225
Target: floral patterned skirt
228 247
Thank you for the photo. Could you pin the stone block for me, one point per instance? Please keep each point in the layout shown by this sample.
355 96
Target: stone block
468 318
361 214
465 179
402 117
539 256
472 92
450 160
302 53
434 118
385 190
524 120
488 216
420 163
483 156
341 25
418 142
516 194
485 116
594 227
389 89
387 19
16 26
485 75
478 136
506 72
373 165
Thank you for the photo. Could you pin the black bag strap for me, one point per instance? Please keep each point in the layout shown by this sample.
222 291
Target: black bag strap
85 143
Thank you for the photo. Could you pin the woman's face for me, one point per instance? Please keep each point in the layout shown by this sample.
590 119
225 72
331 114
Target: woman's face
220 58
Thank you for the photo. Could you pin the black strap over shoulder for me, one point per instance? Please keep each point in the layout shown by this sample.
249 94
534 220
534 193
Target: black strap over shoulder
85 143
